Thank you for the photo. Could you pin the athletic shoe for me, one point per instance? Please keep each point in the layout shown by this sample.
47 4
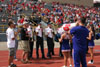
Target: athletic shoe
9 66
90 62
13 65
16 59
64 66
70 65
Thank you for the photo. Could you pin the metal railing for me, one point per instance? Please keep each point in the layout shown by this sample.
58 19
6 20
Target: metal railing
3 28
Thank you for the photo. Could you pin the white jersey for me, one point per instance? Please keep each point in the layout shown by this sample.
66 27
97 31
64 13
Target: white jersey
10 35
30 31
49 32
39 30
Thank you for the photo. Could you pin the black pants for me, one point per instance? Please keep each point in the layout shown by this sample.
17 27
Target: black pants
60 52
39 42
71 48
50 45
31 48
87 46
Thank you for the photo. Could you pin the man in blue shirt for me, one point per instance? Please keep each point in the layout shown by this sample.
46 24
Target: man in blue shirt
80 34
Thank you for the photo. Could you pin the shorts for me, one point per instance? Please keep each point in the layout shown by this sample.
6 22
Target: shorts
25 46
11 51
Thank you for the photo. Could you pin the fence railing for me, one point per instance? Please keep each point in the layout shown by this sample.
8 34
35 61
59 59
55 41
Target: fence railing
3 28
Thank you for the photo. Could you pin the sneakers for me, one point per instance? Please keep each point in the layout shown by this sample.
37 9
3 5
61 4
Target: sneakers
13 65
90 62
16 59
9 66
70 65
64 66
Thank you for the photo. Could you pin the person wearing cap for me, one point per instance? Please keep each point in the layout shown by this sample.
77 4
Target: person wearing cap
80 34
39 41
25 42
64 40
50 43
11 43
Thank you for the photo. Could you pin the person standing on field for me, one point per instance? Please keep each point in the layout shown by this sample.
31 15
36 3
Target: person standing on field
25 42
80 34
11 43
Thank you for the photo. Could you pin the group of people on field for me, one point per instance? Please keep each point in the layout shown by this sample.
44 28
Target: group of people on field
81 37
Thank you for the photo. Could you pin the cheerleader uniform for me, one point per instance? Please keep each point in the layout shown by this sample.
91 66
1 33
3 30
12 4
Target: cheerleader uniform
91 42
65 44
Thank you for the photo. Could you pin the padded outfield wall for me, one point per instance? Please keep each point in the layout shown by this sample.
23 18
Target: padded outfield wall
77 2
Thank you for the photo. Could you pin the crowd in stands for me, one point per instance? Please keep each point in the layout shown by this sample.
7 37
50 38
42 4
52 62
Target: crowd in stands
49 13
